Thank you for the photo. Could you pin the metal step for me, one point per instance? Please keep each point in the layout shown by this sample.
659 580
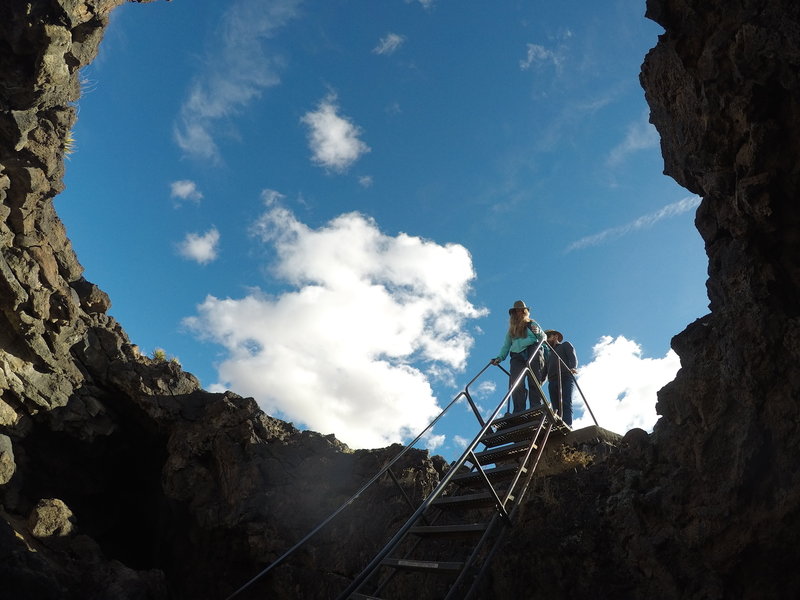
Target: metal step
501 453
532 414
427 566
524 416
449 531
478 500
523 431
501 473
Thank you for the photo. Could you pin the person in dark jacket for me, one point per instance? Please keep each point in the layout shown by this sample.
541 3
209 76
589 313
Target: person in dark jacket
560 382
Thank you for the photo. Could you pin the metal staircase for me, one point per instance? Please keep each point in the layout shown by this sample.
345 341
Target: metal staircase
455 532
448 542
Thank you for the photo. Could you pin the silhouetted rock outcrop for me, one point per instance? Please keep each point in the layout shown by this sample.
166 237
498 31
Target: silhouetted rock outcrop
120 478
709 505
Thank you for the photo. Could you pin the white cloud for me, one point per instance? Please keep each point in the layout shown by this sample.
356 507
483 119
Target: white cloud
640 135
484 389
333 139
185 190
670 210
460 442
365 181
536 55
389 43
200 248
620 385
433 441
271 197
238 72
348 348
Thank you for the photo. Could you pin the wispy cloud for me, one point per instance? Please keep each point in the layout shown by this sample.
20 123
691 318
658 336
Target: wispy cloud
621 385
365 181
201 248
349 347
185 189
460 442
389 43
333 139
640 135
238 72
537 55
671 210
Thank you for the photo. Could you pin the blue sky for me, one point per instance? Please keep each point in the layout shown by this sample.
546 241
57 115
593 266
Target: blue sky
330 206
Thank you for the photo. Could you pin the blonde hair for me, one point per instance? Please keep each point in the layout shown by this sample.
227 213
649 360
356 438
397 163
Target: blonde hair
518 323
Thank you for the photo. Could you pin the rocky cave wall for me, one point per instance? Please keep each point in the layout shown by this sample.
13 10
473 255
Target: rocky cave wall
119 477
128 481
707 506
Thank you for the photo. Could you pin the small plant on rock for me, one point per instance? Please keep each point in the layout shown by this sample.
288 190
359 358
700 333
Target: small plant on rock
69 144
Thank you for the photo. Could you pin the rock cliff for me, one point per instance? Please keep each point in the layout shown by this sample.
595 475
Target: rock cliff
120 478
709 505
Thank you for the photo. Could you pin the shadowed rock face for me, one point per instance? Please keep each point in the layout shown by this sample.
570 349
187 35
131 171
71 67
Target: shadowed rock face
708 506
119 477
166 491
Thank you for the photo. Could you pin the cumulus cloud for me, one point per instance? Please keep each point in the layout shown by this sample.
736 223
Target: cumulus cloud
237 73
621 385
185 189
389 43
333 139
365 181
348 348
201 248
640 135
670 210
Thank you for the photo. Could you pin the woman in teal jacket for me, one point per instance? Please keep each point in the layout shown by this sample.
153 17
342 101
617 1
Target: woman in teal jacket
522 337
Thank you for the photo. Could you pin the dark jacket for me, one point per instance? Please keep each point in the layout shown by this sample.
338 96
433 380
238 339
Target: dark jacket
567 353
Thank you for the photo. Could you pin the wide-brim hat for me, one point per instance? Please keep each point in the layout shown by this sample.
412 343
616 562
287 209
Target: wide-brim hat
518 305
560 335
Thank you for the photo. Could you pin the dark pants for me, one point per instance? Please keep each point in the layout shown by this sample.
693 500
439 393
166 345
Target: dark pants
519 361
562 402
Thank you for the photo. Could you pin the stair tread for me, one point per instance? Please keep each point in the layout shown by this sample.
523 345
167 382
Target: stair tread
501 453
521 417
495 473
523 431
531 414
464 500
431 566
449 530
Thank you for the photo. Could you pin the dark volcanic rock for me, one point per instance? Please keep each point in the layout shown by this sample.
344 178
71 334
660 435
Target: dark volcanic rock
709 506
137 483
178 493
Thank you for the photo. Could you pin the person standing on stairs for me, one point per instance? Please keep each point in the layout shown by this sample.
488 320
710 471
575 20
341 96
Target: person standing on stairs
560 380
521 339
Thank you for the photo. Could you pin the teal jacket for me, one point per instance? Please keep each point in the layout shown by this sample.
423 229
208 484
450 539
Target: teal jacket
534 335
